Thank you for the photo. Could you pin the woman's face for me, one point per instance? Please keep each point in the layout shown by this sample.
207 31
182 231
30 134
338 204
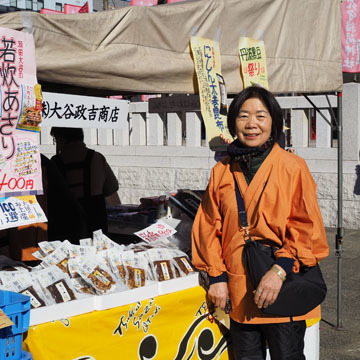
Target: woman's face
253 123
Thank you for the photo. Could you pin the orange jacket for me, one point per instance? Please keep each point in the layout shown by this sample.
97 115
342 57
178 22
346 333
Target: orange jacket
281 205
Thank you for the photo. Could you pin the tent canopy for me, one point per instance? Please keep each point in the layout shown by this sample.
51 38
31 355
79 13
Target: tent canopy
146 49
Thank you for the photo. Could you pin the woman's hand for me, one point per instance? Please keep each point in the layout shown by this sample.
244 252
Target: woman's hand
268 289
218 293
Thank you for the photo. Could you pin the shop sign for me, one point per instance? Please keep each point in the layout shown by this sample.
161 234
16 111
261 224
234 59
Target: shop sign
64 110
174 103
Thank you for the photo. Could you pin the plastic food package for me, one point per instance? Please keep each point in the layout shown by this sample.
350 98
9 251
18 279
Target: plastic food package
56 284
97 274
181 262
160 260
23 283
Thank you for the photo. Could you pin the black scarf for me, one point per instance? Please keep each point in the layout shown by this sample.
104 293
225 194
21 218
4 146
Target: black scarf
244 154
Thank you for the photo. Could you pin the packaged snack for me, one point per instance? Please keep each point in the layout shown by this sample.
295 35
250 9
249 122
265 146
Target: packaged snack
98 240
81 251
24 283
48 247
160 260
117 266
135 273
86 242
56 284
59 257
82 287
96 273
73 267
181 261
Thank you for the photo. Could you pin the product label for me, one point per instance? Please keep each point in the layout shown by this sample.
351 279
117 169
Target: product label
33 300
165 270
63 292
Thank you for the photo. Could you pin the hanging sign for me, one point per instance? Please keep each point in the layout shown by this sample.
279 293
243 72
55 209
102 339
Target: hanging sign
350 35
253 62
20 210
64 110
20 115
212 90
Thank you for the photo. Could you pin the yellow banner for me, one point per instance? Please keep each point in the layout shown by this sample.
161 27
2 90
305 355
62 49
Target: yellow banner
253 62
212 91
173 326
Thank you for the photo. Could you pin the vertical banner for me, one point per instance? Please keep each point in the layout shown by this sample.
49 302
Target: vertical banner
253 62
350 35
20 112
212 91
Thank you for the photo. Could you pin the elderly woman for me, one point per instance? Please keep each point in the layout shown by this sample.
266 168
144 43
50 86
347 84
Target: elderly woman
280 200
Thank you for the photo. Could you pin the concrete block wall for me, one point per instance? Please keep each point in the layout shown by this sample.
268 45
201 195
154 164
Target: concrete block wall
152 170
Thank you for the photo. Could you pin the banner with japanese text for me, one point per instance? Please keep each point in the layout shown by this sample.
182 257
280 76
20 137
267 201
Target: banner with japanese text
173 326
19 211
253 62
350 35
212 91
64 110
20 111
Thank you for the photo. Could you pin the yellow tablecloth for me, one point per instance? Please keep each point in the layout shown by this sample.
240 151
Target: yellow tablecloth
173 326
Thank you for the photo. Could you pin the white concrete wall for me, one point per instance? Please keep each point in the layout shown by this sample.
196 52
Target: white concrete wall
146 167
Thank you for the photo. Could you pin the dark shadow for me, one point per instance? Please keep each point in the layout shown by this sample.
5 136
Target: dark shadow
357 182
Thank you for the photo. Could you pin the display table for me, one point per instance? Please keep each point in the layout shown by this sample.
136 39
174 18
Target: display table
168 324
172 326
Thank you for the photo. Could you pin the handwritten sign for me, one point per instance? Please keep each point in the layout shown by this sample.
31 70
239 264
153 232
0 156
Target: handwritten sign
350 35
156 231
212 91
20 167
4 320
84 111
253 62
21 210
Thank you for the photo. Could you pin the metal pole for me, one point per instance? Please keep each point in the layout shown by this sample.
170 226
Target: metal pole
340 230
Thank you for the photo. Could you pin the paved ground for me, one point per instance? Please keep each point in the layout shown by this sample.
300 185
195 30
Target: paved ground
344 343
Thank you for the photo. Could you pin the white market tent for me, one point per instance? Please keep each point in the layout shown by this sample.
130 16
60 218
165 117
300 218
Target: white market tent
146 50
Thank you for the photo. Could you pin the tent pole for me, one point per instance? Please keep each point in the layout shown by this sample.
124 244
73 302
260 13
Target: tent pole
340 230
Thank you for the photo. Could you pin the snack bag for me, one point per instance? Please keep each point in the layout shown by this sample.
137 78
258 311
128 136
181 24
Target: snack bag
86 242
81 251
181 262
117 266
24 283
135 273
97 274
160 260
47 247
98 240
59 257
82 287
73 267
56 284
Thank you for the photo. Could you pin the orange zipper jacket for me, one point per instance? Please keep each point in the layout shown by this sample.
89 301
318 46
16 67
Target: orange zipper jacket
281 206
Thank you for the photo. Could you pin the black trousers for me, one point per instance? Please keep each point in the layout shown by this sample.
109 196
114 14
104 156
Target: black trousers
285 340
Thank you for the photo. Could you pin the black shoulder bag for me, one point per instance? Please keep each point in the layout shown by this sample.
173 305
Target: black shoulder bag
300 293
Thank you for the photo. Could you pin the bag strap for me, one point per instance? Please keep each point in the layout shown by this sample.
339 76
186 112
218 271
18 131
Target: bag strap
241 205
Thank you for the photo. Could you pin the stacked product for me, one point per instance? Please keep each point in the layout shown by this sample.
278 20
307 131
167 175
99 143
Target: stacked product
95 267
